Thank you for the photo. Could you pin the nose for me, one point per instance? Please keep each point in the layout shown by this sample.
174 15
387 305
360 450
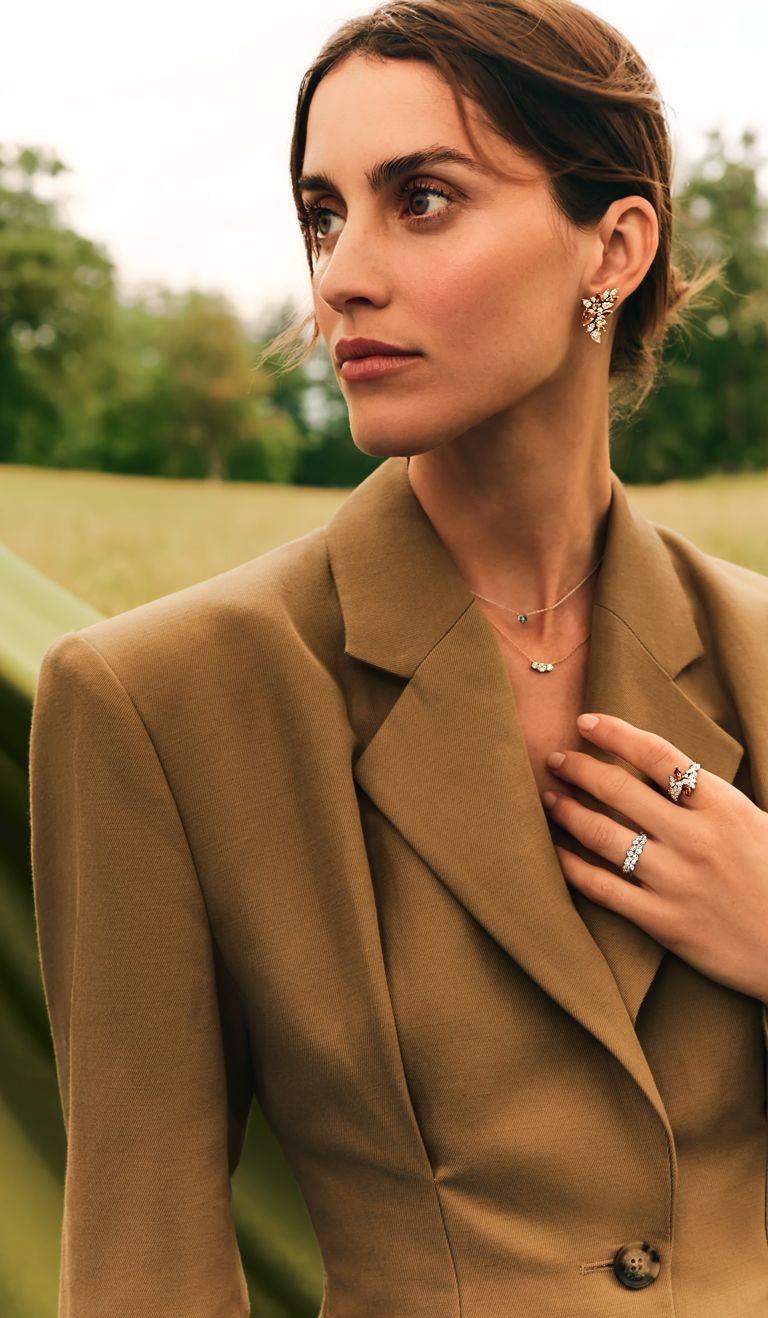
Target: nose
355 270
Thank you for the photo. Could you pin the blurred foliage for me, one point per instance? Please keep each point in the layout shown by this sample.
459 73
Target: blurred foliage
57 311
312 396
709 411
162 383
183 399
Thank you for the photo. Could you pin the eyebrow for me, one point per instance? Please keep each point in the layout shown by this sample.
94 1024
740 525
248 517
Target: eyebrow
385 171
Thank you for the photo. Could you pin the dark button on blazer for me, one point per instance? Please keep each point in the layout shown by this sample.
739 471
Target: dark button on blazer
305 779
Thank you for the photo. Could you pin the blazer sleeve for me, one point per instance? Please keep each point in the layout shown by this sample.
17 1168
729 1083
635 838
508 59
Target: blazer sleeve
153 1089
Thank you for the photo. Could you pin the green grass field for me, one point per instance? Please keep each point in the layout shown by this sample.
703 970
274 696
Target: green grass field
117 541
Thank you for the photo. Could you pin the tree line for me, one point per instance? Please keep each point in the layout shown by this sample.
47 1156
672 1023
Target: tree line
163 383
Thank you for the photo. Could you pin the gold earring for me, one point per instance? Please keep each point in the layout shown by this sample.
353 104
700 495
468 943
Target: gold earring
597 309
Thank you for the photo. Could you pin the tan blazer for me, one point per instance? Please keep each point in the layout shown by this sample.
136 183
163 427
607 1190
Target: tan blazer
286 835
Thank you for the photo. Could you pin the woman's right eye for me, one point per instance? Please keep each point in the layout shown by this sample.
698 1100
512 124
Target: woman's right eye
314 217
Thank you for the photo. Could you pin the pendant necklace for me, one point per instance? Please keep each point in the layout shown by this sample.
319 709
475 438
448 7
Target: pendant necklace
536 664
523 617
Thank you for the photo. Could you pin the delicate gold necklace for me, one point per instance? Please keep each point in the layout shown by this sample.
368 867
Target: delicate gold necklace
535 663
523 617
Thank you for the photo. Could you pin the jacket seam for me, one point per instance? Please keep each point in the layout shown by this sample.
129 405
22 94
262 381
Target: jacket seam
432 1177
446 1233
415 1116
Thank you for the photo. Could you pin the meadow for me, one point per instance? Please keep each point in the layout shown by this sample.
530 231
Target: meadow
118 541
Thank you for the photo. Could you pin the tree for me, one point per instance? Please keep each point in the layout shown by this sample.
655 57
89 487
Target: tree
57 303
208 407
710 412
159 384
310 394
184 401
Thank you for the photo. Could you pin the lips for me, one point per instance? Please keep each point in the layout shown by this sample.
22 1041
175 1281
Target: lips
360 347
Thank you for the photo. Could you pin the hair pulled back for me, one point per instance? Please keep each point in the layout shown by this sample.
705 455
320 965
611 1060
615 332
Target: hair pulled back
562 85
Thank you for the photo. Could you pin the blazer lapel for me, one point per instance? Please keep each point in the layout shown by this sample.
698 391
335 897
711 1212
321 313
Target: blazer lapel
449 766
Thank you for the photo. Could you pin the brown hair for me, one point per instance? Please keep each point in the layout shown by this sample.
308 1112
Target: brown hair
564 86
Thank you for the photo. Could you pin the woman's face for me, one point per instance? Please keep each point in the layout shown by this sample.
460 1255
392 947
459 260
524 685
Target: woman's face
479 274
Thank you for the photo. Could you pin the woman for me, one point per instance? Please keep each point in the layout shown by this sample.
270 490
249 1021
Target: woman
296 818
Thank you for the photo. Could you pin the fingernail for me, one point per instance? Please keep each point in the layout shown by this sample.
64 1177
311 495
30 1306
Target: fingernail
555 759
549 798
587 722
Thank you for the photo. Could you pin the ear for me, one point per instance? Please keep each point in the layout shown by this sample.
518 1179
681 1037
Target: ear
627 239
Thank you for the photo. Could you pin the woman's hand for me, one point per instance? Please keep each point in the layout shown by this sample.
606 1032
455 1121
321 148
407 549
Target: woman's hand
700 887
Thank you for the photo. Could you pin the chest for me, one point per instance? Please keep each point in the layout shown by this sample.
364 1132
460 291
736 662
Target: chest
548 705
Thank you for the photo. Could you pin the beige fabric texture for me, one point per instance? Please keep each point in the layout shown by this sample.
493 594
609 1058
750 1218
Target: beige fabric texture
286 840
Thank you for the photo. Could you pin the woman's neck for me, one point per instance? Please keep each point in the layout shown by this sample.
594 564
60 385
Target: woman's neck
522 528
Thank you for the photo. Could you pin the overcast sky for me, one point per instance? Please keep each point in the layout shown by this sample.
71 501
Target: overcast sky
176 119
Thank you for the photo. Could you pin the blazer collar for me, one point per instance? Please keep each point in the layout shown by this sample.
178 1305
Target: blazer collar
449 765
400 590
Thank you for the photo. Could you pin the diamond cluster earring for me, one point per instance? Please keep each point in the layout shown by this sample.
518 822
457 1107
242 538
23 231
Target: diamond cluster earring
597 309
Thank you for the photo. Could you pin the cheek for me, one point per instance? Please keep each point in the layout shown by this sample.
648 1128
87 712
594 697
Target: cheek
448 287
490 302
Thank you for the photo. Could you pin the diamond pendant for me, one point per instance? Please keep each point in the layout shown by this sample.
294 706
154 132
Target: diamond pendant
542 668
522 617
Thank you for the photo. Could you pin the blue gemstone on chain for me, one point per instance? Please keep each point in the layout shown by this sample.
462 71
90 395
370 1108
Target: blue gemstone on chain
522 617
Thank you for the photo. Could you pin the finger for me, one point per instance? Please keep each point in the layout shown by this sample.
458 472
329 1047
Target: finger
616 787
643 907
600 834
656 757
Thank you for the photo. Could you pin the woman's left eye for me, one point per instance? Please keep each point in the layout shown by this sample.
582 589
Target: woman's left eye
425 190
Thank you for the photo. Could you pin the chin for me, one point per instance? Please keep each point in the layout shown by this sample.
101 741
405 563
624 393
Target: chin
380 444
404 435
